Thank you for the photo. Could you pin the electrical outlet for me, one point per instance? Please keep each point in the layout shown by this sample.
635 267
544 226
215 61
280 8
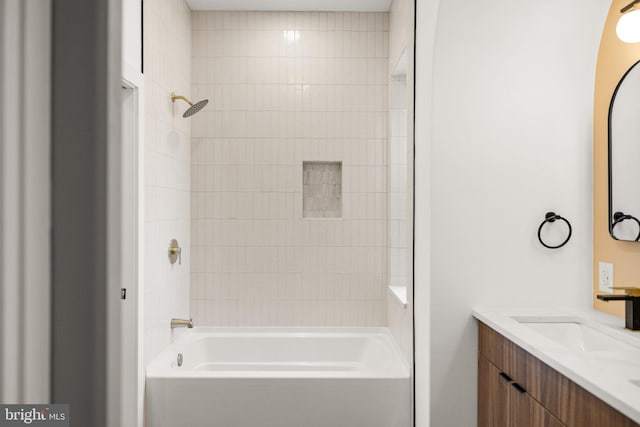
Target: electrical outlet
605 277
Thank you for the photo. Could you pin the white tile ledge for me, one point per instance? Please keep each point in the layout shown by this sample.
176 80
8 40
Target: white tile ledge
609 380
400 294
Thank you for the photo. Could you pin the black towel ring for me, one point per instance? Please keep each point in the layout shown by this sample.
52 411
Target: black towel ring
618 217
552 217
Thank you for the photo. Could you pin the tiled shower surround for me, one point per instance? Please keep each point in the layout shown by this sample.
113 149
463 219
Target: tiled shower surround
287 88
166 168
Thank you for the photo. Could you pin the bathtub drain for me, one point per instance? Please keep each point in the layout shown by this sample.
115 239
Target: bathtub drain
179 359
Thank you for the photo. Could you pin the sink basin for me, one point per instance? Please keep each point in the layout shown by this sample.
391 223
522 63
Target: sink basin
574 335
577 336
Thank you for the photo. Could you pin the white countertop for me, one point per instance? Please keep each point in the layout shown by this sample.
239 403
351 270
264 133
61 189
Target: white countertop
612 377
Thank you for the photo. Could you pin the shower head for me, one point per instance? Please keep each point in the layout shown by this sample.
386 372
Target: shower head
194 108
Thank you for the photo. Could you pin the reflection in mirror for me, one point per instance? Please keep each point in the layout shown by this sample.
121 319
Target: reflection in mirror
624 158
618 220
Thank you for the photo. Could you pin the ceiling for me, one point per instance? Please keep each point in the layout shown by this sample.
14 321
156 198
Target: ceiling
293 5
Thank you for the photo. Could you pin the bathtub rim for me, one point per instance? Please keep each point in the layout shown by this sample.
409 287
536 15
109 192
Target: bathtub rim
158 367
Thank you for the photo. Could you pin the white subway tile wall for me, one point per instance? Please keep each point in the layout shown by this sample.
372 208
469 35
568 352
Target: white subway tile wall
285 88
400 319
167 68
398 183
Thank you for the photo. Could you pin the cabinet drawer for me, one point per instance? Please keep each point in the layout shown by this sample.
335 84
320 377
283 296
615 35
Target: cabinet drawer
504 354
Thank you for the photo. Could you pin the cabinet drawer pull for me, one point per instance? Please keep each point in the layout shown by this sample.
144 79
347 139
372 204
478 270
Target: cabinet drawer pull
505 377
519 387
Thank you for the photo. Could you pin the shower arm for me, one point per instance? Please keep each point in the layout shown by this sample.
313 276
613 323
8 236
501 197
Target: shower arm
174 97
629 6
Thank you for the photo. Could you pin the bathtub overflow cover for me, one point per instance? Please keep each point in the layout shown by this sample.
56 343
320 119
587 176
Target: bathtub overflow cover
179 359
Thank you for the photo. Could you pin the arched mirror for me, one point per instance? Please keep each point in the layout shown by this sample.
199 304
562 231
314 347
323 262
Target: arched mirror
624 158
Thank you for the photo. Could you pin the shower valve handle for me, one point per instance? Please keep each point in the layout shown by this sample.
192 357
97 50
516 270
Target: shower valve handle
175 252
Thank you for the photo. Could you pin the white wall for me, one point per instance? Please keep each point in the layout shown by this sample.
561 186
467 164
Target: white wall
426 20
285 88
511 140
133 220
167 57
131 34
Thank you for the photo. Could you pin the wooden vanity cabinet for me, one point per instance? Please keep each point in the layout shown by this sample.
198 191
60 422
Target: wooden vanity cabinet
515 389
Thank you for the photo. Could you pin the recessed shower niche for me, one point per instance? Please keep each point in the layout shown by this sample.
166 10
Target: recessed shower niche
322 189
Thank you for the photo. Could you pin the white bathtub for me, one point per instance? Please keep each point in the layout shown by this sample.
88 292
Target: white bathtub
284 377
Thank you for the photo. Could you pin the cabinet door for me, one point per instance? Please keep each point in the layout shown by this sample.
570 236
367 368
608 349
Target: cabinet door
540 417
520 403
493 396
499 403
